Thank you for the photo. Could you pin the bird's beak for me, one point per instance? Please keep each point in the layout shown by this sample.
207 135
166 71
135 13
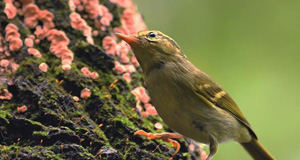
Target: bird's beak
130 39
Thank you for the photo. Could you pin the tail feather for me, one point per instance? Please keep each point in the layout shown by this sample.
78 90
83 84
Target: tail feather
257 151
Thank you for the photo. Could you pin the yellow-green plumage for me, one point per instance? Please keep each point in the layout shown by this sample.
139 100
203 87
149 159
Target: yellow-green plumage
187 99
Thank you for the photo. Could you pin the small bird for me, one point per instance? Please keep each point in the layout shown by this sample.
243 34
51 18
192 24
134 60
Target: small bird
187 99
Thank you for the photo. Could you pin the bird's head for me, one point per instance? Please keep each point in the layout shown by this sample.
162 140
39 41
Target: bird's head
152 48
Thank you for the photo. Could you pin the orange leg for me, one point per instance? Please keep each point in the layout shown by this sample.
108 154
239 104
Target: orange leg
163 136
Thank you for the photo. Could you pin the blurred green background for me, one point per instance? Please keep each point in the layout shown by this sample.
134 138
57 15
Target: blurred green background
252 49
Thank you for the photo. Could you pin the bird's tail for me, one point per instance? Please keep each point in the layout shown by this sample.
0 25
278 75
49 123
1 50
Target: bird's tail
256 150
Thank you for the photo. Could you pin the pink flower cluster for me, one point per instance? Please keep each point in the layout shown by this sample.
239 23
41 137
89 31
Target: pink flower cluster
85 71
5 94
142 96
13 37
78 23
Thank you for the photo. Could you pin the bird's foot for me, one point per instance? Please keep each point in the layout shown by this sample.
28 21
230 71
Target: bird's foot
163 136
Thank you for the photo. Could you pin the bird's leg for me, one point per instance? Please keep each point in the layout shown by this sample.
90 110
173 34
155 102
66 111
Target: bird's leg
163 136
213 147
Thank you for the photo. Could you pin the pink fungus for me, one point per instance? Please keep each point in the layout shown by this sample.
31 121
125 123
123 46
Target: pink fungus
57 37
158 125
66 61
85 93
130 68
134 61
4 63
37 41
109 44
15 44
34 52
75 98
122 3
138 106
127 77
119 68
95 33
72 5
11 26
13 36
105 21
80 8
145 114
78 23
40 32
66 67
67 55
85 71
20 12
140 94
122 51
46 17
94 75
132 21
28 42
22 108
14 66
43 67
5 94
10 10
150 109
121 30
31 37
30 12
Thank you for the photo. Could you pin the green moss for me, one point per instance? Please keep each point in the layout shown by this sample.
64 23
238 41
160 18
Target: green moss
36 124
5 115
18 152
40 133
125 121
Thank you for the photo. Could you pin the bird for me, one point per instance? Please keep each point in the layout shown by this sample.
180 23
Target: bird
187 99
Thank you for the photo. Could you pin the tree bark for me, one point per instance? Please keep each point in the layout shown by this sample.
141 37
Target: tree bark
43 119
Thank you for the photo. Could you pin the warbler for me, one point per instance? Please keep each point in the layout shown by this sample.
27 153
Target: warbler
187 99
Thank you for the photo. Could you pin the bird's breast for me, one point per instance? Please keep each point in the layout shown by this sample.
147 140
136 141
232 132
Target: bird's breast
187 114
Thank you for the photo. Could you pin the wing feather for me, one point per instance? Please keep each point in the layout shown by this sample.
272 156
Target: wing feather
212 93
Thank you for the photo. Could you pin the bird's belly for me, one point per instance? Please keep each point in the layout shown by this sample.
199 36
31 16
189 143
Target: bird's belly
188 115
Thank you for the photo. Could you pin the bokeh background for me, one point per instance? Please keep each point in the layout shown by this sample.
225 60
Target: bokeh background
252 49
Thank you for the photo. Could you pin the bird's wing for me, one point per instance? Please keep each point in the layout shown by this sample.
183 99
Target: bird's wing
213 94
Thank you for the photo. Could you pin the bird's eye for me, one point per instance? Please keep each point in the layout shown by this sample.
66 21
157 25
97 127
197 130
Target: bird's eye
152 35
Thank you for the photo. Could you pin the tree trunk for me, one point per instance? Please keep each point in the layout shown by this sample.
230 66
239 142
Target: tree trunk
66 83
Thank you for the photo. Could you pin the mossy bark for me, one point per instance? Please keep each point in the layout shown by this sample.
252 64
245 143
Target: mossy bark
57 127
